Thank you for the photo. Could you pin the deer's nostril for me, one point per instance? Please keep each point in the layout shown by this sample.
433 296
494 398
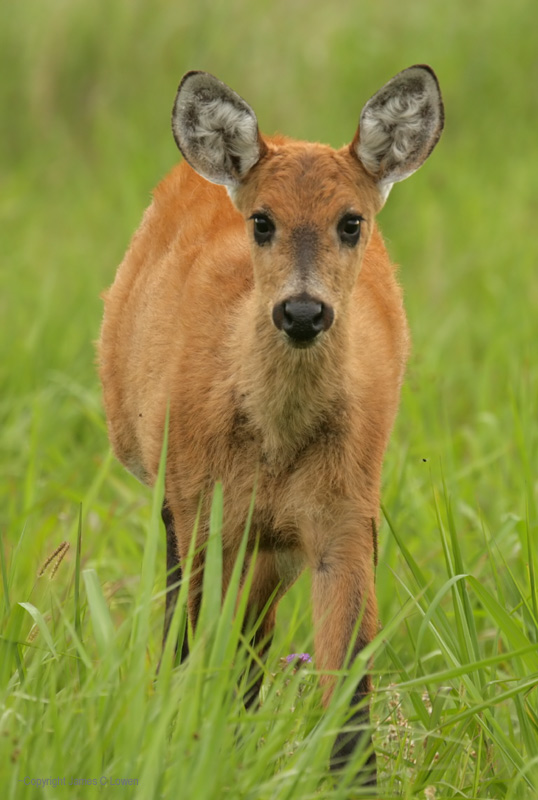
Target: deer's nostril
302 318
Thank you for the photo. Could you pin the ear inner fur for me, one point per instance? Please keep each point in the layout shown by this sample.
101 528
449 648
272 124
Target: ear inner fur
215 129
399 126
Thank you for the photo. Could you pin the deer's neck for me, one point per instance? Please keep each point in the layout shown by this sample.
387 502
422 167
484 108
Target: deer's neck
289 395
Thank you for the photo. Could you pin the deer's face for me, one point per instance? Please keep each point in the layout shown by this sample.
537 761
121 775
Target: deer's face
309 209
309 212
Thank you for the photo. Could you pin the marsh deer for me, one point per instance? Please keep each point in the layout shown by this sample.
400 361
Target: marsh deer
258 301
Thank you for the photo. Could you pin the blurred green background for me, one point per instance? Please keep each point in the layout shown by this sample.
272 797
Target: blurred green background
86 90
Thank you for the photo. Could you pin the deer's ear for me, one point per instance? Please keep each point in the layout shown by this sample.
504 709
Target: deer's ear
216 131
399 126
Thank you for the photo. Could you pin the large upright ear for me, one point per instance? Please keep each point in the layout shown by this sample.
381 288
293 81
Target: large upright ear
216 131
399 126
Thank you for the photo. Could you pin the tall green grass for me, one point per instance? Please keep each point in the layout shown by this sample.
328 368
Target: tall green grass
86 90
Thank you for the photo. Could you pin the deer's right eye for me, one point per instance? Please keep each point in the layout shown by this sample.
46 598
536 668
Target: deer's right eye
263 228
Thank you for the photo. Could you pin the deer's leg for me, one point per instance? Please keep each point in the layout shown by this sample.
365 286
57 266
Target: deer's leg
173 577
273 575
343 597
180 528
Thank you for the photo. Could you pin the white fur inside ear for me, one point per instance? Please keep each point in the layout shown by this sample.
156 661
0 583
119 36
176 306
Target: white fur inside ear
215 129
399 126
232 192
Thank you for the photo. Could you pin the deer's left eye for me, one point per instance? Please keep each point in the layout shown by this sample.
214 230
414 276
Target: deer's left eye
349 229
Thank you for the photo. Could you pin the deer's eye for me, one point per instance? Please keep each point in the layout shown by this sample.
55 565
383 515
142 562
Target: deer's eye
264 228
349 229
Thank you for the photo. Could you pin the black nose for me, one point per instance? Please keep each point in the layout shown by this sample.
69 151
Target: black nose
302 317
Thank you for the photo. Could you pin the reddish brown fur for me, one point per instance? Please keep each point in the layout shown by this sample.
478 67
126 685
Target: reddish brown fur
188 320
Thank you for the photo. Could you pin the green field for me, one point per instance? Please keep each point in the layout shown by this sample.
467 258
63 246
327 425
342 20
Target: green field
86 90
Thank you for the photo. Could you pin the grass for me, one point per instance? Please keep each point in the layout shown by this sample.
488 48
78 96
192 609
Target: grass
86 91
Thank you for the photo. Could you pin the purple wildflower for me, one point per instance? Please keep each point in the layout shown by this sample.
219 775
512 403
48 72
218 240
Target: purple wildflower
302 658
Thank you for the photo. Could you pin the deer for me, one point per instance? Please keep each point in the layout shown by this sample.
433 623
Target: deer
258 307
